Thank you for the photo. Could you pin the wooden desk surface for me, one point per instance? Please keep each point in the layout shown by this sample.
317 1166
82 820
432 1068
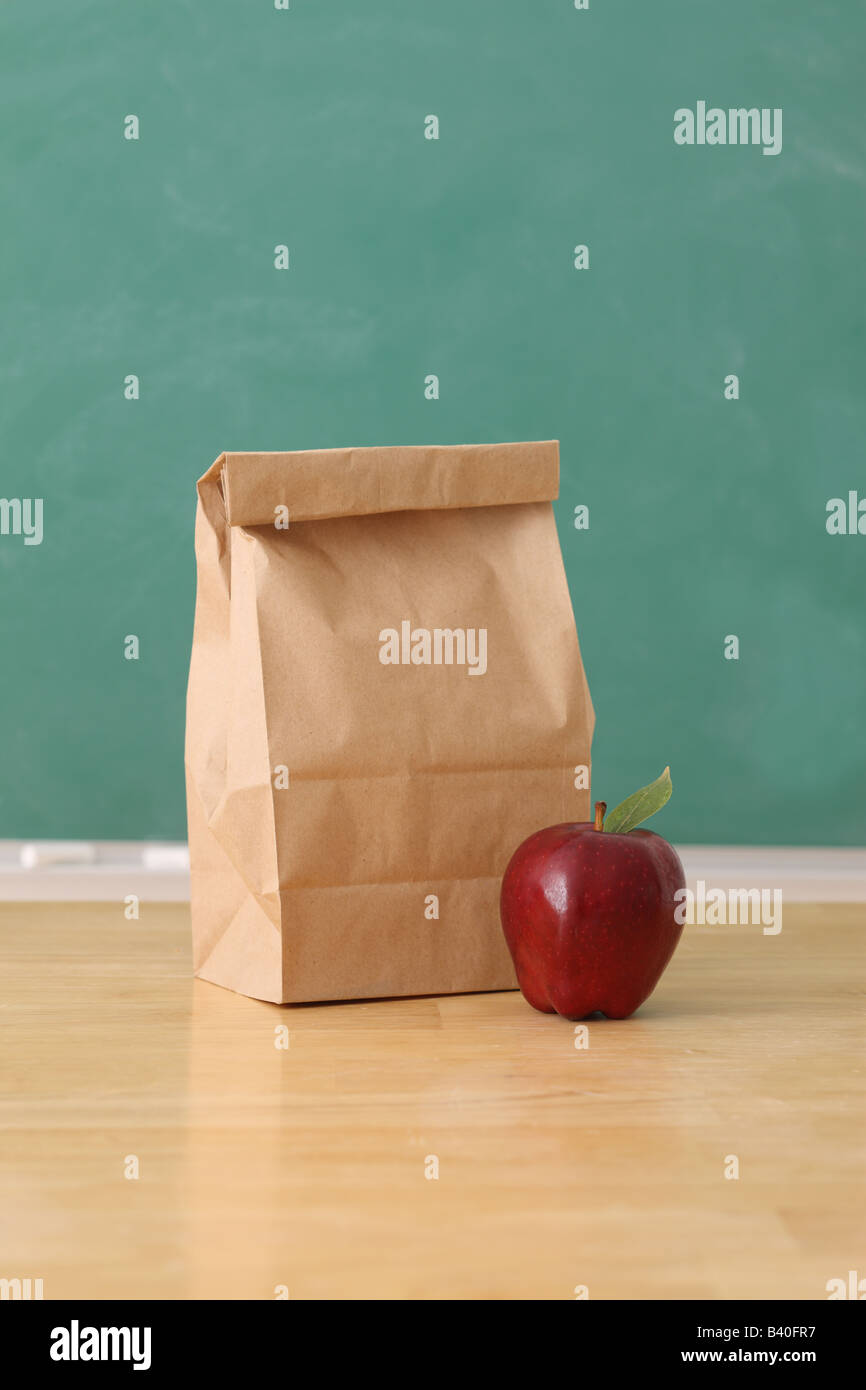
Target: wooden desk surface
305 1167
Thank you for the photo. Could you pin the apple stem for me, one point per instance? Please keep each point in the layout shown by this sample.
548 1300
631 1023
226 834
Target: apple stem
600 808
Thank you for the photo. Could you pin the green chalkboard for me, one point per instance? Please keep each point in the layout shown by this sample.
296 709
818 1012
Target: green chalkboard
454 257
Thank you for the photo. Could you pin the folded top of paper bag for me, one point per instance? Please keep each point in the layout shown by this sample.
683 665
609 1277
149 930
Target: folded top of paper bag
317 484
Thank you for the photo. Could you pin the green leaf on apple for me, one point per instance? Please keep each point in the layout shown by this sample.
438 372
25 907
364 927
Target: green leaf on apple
640 805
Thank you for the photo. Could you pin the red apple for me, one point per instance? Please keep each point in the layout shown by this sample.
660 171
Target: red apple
589 916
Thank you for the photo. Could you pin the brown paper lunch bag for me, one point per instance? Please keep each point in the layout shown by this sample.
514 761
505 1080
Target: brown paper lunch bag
386 696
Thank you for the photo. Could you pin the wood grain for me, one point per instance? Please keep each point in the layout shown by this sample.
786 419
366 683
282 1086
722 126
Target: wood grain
305 1167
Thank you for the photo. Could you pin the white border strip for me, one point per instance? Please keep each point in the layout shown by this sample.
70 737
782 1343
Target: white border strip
110 870
804 875
95 871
